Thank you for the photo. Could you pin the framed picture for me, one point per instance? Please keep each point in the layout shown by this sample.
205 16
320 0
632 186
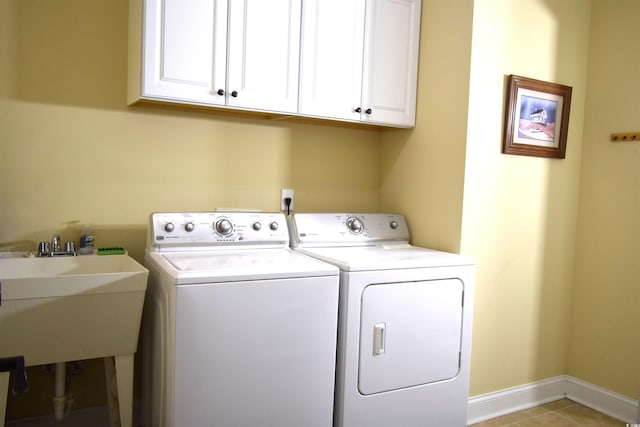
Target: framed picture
537 118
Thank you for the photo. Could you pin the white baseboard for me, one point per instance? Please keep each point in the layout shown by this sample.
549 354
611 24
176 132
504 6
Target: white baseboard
603 400
514 399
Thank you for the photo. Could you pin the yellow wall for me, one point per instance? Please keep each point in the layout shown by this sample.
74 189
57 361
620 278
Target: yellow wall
516 215
605 348
73 152
422 172
519 212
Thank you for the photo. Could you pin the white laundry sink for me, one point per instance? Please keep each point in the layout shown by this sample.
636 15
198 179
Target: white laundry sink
70 308
60 309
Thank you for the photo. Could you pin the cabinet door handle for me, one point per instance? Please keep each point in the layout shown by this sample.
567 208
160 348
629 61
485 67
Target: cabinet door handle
220 92
234 93
358 109
368 111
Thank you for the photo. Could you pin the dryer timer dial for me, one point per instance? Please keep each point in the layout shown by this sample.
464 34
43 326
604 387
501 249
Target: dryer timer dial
355 225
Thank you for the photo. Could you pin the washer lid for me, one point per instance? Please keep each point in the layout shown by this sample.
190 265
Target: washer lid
237 265
385 257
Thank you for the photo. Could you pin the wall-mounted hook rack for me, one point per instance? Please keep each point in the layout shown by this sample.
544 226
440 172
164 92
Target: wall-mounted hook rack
625 137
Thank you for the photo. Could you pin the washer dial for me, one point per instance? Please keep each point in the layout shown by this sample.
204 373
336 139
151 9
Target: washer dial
355 225
223 226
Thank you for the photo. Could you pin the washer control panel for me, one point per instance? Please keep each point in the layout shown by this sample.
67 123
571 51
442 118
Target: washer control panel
177 230
345 229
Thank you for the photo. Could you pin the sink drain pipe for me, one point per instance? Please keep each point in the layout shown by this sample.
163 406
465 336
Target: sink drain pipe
60 395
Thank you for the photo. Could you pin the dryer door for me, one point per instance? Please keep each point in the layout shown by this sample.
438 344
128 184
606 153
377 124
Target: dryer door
410 334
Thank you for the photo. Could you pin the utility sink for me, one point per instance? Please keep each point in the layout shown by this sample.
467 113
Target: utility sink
70 308
60 309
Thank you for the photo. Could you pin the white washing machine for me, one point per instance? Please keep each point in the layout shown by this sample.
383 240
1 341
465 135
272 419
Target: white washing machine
238 329
404 328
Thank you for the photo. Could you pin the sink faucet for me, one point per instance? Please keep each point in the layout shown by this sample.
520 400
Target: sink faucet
55 243
47 250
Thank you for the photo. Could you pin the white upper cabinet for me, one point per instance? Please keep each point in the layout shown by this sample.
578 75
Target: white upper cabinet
346 60
389 83
331 58
177 47
242 54
359 60
263 54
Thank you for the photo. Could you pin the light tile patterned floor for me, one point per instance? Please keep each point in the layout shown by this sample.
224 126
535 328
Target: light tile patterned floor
561 413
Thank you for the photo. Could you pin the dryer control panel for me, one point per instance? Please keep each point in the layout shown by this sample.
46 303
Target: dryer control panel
179 230
347 229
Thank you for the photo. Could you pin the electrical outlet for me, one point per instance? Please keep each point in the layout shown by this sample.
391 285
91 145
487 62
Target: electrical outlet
286 193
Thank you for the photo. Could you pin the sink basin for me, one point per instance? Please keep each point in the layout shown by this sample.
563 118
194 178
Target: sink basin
70 308
62 309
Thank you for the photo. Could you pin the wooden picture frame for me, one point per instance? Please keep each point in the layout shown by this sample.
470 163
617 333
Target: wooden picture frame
537 118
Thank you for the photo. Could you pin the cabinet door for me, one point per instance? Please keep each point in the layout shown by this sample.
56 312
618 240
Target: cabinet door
178 40
391 61
263 56
331 58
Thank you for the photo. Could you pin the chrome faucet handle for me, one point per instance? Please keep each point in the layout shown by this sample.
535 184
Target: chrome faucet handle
55 243
43 249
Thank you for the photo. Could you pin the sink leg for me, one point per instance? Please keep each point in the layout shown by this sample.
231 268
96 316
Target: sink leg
112 391
124 375
4 392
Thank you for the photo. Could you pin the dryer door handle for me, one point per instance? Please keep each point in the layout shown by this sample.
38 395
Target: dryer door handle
379 336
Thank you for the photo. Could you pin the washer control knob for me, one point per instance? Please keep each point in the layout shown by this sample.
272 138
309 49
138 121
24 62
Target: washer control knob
273 226
189 227
169 227
257 226
355 225
393 225
224 226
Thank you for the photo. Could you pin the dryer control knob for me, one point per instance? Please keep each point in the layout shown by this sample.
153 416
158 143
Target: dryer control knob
224 226
189 227
257 226
273 226
169 227
355 225
393 225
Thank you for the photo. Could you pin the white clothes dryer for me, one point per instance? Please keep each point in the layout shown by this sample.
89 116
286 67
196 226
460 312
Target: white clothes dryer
238 330
404 328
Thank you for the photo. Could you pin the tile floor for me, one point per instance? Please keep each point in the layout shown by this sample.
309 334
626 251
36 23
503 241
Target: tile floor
561 413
